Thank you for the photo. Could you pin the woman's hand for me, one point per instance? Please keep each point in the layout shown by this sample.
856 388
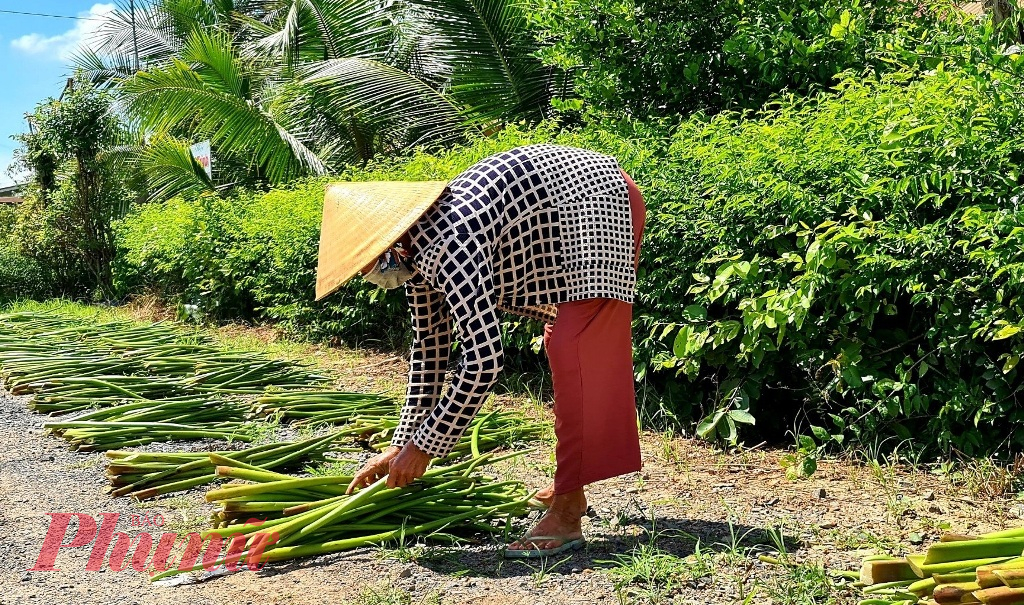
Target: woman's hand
374 469
402 466
408 465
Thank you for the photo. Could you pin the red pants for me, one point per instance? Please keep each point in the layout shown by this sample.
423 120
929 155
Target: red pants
590 349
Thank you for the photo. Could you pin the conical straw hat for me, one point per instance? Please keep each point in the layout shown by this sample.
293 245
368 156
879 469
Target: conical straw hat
361 220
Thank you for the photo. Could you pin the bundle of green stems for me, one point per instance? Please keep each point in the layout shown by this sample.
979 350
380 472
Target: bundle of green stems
144 475
328 407
309 516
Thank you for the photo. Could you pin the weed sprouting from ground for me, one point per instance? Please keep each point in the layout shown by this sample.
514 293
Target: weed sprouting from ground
387 594
85 462
542 569
333 468
262 432
794 583
987 478
383 595
887 476
414 553
798 584
648 574
186 513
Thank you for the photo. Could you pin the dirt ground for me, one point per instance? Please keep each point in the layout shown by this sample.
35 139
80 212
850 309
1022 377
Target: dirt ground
695 519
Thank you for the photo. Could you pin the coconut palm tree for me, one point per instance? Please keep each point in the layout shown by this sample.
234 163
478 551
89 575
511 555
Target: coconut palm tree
284 88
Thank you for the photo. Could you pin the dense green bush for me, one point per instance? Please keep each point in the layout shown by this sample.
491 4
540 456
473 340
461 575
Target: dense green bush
668 57
254 255
852 262
20 276
78 188
251 256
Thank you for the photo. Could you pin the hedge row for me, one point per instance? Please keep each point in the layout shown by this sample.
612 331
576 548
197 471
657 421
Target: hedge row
850 264
254 255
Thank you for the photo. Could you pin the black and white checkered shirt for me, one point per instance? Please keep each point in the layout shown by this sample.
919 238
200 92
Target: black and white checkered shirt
520 231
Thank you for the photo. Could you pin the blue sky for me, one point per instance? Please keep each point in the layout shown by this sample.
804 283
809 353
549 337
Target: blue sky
34 59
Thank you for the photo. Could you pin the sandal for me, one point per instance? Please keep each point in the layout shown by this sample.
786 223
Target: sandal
535 504
536 553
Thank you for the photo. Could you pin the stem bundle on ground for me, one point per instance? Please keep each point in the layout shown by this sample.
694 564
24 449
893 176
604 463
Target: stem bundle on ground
313 515
959 569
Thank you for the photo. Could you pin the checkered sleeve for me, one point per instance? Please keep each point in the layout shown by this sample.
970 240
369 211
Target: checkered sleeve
463 273
428 359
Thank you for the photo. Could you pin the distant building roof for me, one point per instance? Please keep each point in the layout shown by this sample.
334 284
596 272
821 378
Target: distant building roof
11 190
973 8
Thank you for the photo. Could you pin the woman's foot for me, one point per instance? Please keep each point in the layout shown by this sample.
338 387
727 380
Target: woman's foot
546 496
562 521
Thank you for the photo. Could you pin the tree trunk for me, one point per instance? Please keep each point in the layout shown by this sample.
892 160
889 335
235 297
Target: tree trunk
1002 10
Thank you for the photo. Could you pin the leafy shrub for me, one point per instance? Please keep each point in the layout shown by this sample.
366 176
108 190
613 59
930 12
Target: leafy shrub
851 261
669 57
20 276
78 188
251 256
254 255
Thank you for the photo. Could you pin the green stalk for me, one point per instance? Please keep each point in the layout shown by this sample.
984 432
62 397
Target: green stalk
944 552
360 496
291 552
225 493
924 570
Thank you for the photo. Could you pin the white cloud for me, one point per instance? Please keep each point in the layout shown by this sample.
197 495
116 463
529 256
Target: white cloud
63 46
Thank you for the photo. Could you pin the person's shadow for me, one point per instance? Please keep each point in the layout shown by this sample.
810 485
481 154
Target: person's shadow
610 542
626 539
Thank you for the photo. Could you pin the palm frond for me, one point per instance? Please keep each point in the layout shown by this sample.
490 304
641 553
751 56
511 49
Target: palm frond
208 98
418 49
496 75
213 55
317 30
171 170
159 30
104 71
378 94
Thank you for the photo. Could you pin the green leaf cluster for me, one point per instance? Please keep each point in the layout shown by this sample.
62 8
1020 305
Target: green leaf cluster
650 58
854 259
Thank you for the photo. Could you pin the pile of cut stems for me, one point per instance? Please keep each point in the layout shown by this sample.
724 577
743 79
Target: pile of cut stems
25 368
189 409
987 569
497 429
153 350
86 436
148 475
251 376
134 385
326 407
372 419
54 330
313 515
70 394
108 374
